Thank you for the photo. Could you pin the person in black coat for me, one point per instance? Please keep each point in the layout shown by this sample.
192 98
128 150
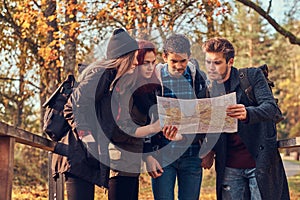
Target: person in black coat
248 163
91 112
95 113
138 109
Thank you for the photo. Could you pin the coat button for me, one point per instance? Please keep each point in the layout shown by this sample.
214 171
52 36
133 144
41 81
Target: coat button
261 147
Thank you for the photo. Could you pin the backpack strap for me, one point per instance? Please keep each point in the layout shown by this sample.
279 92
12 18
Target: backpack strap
66 88
68 85
246 86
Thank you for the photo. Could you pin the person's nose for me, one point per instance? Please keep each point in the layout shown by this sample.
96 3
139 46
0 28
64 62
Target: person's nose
210 66
179 65
135 62
151 66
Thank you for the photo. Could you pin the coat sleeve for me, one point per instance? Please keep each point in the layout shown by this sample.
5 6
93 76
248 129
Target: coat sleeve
266 107
83 100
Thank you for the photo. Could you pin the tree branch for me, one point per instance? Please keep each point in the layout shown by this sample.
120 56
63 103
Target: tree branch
17 79
269 7
292 38
9 20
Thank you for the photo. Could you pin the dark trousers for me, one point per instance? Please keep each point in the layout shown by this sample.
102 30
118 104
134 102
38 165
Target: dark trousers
123 188
79 189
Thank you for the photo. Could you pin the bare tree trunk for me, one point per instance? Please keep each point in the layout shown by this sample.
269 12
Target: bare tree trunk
209 19
49 71
142 20
250 45
70 39
21 98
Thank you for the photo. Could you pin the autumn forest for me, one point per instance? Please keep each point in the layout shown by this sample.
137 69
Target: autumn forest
42 41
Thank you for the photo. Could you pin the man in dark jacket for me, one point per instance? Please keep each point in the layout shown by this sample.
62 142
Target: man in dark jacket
248 163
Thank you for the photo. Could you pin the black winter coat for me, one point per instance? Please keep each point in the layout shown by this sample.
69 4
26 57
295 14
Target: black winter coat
260 137
89 108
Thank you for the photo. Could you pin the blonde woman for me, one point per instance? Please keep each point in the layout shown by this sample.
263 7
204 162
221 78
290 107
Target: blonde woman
91 112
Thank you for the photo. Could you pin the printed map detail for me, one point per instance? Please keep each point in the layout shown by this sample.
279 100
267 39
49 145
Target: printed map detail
198 115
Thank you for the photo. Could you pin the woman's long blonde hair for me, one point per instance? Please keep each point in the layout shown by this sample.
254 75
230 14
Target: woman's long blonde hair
121 64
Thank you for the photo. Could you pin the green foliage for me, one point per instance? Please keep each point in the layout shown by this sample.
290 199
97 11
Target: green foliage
255 45
285 72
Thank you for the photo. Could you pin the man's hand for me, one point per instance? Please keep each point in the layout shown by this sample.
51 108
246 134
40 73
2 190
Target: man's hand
153 167
208 160
237 111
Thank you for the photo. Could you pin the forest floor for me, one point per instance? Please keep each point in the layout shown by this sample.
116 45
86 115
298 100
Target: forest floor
40 192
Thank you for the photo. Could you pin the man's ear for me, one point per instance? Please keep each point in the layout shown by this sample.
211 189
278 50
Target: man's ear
230 62
165 57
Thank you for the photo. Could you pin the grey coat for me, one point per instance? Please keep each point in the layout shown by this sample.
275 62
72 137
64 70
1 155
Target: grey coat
259 135
89 108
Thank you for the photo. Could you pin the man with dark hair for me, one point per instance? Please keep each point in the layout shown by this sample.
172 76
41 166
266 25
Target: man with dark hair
177 159
248 164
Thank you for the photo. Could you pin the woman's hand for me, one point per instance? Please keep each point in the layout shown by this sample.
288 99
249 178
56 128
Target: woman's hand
148 129
155 127
171 133
153 167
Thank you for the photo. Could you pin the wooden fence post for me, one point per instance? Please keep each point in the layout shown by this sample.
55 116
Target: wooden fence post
56 186
60 182
6 166
50 178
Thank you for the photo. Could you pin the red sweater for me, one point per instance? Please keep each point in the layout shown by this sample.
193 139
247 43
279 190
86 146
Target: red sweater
237 154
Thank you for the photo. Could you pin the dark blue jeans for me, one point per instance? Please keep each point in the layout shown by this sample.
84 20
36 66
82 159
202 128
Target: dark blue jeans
237 181
188 171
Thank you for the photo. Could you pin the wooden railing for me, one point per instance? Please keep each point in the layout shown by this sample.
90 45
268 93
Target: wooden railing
9 135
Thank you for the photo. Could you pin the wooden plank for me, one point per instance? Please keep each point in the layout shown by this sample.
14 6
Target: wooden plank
50 178
60 182
8 136
289 143
26 137
6 166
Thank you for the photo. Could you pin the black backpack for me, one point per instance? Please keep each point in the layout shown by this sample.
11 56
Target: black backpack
247 88
55 125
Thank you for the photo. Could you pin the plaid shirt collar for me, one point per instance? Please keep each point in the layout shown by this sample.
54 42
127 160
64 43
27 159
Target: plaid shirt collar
177 87
166 73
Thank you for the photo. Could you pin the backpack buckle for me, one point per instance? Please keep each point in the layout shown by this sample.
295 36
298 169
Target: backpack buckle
242 75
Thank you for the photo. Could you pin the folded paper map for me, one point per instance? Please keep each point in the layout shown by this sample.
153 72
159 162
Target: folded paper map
206 115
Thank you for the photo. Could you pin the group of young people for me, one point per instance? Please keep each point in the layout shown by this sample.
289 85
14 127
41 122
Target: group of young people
114 119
